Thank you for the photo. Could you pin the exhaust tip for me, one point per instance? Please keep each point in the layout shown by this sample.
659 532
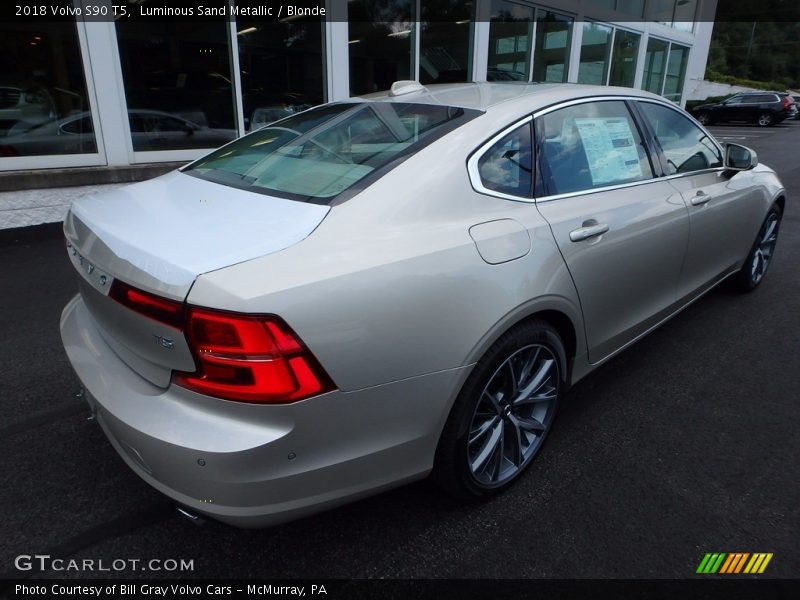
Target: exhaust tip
193 517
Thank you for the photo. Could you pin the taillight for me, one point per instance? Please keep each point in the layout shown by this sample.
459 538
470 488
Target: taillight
787 103
162 310
249 358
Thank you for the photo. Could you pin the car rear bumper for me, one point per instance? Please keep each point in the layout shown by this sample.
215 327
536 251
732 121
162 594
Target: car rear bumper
253 465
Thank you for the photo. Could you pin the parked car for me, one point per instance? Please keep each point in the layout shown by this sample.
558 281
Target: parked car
764 108
796 100
150 130
24 103
379 289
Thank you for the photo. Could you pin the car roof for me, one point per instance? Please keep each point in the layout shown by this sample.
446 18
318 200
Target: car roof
506 96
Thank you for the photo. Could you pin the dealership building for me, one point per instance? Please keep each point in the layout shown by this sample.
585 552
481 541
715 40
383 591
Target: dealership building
90 103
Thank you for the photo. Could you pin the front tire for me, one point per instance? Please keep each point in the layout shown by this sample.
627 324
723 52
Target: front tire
760 256
503 414
704 118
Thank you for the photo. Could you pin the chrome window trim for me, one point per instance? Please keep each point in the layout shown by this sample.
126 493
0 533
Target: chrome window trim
472 163
609 188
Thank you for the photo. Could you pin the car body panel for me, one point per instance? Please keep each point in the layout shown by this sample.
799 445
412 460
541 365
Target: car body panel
629 274
397 289
161 234
253 465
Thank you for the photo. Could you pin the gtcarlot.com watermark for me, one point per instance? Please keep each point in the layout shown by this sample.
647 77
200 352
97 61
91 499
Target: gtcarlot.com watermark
44 562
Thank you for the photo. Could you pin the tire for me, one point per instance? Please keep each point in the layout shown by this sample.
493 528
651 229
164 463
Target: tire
704 118
488 440
760 256
765 120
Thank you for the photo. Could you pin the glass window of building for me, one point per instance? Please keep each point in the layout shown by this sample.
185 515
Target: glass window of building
679 14
623 59
685 11
43 100
654 65
595 53
551 53
676 71
510 34
381 44
177 71
629 7
445 41
282 70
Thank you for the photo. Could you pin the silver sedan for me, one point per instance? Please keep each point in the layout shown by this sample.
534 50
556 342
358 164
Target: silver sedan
373 291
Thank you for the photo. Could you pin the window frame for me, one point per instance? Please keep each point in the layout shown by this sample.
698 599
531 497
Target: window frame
474 159
660 152
644 133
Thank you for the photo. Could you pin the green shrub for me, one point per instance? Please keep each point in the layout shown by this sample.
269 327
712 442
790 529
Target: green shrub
777 86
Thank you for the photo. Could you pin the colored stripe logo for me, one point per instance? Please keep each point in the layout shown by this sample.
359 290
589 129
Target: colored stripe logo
731 563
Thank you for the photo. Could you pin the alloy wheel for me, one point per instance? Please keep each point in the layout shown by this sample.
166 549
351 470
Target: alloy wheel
513 415
765 247
765 120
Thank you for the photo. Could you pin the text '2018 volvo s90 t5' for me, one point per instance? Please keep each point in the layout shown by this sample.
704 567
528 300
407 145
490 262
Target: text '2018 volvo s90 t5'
376 290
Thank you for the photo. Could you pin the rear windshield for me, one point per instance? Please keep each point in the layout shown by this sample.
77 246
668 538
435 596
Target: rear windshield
316 155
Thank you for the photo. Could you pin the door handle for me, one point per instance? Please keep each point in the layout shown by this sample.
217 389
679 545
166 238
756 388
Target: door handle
584 233
700 198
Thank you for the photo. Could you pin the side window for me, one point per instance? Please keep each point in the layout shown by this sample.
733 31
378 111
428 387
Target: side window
686 146
589 146
734 100
507 165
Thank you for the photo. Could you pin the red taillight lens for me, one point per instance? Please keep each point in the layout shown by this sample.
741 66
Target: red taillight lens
787 103
165 311
250 359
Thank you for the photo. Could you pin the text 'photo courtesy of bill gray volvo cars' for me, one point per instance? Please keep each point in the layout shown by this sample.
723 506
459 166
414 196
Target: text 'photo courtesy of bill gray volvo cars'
397 286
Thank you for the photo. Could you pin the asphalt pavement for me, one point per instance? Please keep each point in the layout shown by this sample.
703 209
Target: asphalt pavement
687 443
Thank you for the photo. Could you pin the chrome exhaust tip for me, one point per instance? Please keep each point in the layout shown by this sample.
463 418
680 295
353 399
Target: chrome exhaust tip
191 516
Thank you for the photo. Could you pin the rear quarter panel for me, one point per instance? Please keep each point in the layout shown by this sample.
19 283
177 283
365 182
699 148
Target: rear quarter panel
391 285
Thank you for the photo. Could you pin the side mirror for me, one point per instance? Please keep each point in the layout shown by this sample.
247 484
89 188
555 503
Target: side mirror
739 158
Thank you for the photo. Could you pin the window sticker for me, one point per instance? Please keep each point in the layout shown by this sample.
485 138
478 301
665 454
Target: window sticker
610 149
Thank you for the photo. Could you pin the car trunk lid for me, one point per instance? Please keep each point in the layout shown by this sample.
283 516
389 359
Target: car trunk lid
159 236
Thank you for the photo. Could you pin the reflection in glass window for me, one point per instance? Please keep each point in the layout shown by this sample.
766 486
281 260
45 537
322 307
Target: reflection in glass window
591 145
629 7
551 54
445 40
182 69
655 61
320 153
686 146
510 35
42 90
281 64
595 50
623 62
684 15
676 70
506 167
679 14
381 44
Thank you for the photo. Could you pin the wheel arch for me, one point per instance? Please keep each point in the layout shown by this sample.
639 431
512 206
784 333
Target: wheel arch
557 311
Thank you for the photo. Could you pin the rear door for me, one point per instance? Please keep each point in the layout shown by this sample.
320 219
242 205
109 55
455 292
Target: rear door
622 230
721 214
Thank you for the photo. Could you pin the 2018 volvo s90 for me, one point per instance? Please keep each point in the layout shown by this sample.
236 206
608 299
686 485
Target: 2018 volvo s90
379 289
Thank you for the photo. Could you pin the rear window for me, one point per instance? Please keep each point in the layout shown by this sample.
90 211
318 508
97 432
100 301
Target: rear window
316 155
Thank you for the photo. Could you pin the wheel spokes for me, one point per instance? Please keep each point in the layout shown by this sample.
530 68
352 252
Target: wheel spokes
512 414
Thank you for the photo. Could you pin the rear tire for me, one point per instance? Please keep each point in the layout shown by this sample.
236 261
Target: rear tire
760 257
765 120
503 413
